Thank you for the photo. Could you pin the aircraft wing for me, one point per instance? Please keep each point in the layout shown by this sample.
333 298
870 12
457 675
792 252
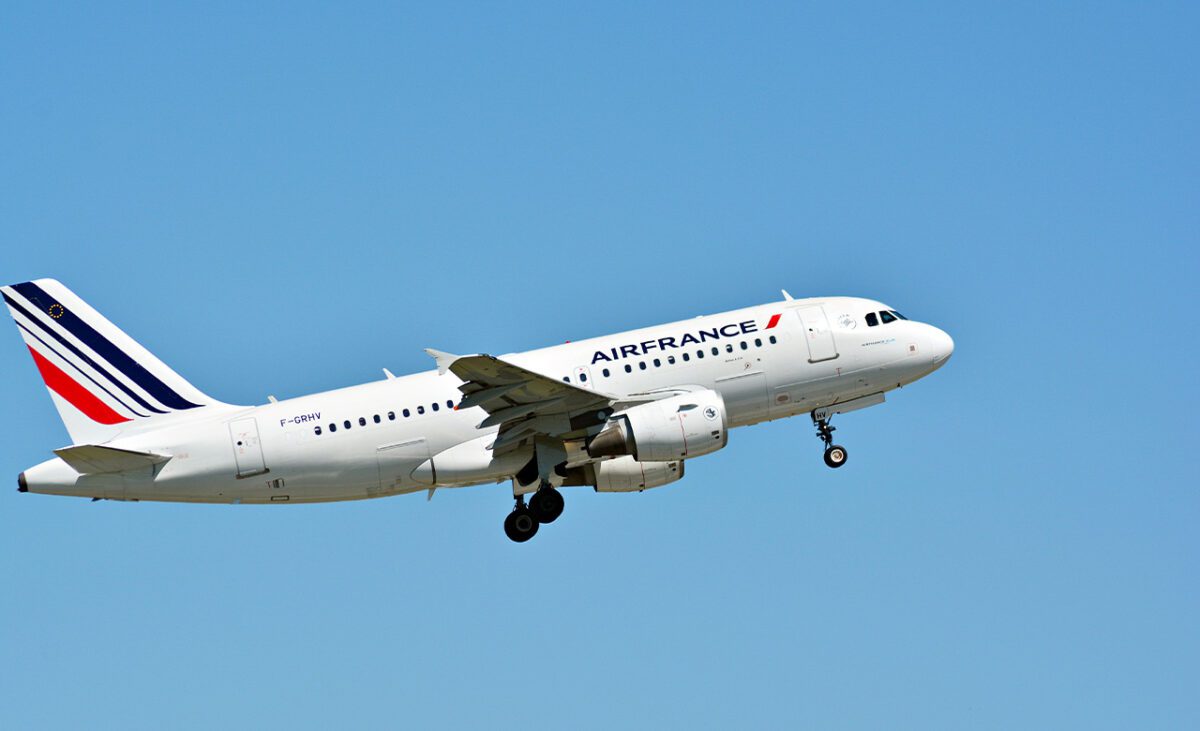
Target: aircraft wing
525 405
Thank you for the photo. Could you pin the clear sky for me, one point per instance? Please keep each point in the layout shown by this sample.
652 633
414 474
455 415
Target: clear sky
286 199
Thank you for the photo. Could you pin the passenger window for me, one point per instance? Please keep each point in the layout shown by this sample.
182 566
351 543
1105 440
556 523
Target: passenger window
407 413
744 345
642 364
583 378
450 404
729 348
687 357
872 320
758 342
606 373
670 360
332 428
716 351
377 419
628 368
699 353
346 423
420 409
435 405
566 379
886 317
657 363
391 416
362 421
317 430
773 340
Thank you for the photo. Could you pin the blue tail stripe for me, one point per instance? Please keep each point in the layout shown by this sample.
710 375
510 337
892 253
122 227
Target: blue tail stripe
82 356
82 372
102 346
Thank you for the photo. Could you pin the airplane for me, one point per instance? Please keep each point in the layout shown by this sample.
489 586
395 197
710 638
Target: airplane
618 413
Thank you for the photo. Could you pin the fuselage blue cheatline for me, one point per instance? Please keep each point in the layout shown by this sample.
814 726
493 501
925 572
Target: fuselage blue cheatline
620 413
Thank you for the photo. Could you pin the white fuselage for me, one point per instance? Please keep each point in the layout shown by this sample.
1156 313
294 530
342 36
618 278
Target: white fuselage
763 367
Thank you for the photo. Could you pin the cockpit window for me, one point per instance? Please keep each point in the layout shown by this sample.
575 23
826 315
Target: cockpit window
872 320
897 314
887 317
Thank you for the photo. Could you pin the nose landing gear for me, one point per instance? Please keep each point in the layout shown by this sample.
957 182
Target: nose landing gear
835 454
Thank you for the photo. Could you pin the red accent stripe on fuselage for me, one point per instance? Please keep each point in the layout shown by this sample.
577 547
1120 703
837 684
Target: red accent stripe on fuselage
80 397
773 322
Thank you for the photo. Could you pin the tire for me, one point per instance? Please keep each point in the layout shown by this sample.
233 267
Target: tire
836 456
520 525
546 505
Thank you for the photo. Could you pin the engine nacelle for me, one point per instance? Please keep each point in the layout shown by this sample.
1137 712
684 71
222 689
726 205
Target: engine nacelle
625 474
679 427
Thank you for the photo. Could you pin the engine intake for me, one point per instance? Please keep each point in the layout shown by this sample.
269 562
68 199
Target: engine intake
679 427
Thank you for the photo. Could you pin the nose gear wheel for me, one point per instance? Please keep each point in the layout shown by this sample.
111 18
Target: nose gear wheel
835 454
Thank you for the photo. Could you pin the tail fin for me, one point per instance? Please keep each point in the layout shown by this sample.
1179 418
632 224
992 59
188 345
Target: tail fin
103 383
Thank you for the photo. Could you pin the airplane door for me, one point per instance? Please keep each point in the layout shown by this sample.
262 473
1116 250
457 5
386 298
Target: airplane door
583 377
247 449
817 333
396 464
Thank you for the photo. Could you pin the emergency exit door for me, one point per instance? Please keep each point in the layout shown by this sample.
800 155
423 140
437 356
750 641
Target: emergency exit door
817 333
247 449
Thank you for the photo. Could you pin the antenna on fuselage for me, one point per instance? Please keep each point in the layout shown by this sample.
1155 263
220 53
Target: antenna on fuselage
787 297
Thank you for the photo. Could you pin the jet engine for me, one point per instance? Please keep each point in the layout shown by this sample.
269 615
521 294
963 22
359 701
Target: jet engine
625 474
682 426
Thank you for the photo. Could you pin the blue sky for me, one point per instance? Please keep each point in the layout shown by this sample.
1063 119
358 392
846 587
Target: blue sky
287 198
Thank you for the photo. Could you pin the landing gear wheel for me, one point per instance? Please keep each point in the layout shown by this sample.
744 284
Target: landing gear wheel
546 505
835 456
520 525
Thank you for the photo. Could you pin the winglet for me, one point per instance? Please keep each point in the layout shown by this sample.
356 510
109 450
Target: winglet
444 360
787 297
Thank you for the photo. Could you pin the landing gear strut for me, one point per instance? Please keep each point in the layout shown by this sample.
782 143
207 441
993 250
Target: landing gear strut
835 454
549 458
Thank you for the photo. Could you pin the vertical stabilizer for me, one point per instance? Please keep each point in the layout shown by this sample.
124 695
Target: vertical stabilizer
102 382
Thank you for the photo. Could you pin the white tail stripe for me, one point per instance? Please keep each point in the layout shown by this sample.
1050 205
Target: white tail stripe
67 368
85 376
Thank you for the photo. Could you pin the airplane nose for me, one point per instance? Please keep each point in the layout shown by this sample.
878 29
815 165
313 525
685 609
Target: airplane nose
941 345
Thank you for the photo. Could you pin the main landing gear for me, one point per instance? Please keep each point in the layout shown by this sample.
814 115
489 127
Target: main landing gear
835 454
544 507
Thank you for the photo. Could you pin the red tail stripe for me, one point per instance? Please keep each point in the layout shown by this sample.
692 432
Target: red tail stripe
80 397
773 322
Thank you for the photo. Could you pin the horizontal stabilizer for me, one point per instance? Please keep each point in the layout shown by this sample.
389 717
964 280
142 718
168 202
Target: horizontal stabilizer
91 459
